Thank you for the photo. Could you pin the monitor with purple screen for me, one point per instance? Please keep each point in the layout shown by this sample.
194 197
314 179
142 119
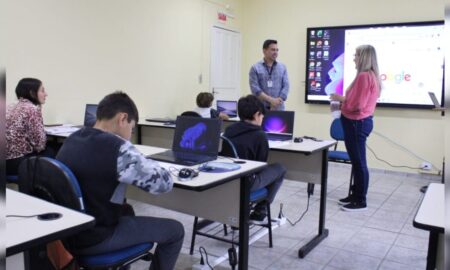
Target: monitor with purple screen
279 123
227 107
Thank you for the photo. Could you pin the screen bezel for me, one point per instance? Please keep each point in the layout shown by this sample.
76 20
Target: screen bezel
379 104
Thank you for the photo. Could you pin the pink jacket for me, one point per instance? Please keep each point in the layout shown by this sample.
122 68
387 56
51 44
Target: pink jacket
24 129
361 98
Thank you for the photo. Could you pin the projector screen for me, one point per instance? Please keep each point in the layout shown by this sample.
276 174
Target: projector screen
410 59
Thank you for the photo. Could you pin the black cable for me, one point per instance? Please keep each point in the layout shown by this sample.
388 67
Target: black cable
232 254
23 216
395 166
301 216
206 256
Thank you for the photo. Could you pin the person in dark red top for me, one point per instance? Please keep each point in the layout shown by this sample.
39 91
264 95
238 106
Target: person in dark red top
25 134
357 110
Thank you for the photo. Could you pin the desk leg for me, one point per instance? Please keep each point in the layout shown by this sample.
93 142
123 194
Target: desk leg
323 233
432 250
139 134
244 214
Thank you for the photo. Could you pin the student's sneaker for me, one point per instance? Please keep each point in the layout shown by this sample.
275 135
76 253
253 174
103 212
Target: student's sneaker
345 200
257 217
355 207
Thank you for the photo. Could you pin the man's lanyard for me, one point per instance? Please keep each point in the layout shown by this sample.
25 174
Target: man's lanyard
269 70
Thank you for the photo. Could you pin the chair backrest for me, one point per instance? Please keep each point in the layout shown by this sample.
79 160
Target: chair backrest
228 148
336 130
191 113
51 180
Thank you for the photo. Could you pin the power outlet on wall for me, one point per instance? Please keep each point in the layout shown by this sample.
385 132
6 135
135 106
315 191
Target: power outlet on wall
425 166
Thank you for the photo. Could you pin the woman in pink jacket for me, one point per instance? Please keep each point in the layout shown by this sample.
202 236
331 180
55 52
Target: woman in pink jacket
25 134
357 109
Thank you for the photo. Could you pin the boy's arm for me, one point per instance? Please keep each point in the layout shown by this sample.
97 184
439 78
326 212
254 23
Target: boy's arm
134 169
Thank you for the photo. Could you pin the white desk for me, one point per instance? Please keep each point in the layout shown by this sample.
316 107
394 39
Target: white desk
431 217
220 197
62 131
307 162
25 233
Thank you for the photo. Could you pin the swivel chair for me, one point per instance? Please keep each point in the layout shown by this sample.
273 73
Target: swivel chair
51 180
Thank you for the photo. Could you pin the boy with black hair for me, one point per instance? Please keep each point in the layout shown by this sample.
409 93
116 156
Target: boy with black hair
251 143
104 160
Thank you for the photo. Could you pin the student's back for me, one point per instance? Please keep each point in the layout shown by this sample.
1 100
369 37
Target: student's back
249 140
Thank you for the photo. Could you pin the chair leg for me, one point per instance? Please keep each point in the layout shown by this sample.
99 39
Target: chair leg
225 229
194 232
269 224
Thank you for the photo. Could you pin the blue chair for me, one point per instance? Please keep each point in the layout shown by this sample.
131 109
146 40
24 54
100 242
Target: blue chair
337 133
256 196
51 180
12 179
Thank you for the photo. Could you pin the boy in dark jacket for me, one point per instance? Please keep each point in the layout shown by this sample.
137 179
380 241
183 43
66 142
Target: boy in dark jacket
251 143
104 160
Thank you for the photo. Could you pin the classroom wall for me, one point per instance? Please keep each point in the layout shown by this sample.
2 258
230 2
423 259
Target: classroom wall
156 50
82 50
418 133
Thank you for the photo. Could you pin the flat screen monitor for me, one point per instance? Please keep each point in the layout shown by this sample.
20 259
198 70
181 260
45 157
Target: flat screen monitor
197 135
279 122
410 58
90 115
227 107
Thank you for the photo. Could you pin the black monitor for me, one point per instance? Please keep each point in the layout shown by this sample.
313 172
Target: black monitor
197 135
90 115
279 122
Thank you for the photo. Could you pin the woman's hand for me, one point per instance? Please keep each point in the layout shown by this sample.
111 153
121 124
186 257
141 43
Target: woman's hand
337 97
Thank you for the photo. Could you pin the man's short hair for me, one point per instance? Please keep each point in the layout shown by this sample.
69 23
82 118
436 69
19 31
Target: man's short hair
117 102
28 88
268 42
205 99
248 106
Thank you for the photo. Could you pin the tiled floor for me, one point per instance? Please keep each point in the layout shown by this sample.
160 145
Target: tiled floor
380 238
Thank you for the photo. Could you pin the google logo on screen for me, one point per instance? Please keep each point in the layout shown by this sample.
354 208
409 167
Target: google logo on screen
396 77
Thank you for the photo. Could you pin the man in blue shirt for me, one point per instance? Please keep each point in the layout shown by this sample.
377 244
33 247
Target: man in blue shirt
269 79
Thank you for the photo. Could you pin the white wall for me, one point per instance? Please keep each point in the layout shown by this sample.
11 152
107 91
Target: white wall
82 50
155 50
286 20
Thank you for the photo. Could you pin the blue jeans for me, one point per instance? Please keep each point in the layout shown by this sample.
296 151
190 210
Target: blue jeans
356 133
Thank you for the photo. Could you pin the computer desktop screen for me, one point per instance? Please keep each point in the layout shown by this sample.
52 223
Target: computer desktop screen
278 122
228 107
410 59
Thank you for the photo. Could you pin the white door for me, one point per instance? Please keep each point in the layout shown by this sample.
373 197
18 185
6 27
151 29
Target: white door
225 64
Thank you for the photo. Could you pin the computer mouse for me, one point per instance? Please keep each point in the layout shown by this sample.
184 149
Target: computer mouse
49 216
298 139
186 173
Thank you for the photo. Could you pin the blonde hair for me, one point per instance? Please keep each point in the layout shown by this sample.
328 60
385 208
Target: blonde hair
367 61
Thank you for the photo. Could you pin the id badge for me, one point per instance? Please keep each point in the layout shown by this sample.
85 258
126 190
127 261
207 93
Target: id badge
270 83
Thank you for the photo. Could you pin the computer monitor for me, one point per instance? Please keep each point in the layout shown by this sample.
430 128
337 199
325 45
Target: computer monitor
228 107
197 135
90 115
279 123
